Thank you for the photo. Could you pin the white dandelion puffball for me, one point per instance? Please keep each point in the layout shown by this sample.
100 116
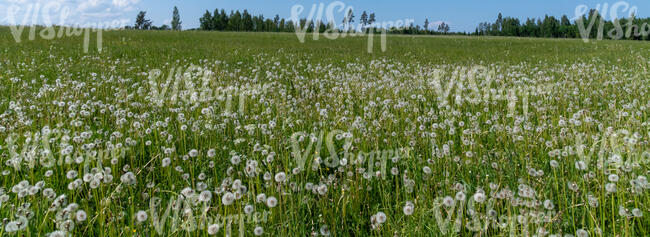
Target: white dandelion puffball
610 187
228 198
448 201
280 177
325 230
426 170
479 197
460 196
258 231
248 209
636 212
141 216
81 216
213 229
381 217
205 196
271 202
582 233
261 197
408 208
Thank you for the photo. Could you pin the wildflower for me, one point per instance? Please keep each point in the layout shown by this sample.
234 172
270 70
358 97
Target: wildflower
593 201
271 202
71 174
81 216
212 153
228 198
582 233
448 201
187 192
72 186
205 196
261 197
258 231
322 189
11 227
128 178
460 196
637 213
280 177
248 209
67 225
141 216
548 204
49 193
610 187
479 197
235 160
572 186
325 230
408 208
58 233
622 212
87 177
381 217
213 229
426 170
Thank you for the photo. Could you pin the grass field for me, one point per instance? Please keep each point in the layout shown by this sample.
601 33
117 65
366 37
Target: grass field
203 133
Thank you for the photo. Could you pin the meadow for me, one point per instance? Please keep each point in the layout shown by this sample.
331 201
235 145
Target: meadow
215 134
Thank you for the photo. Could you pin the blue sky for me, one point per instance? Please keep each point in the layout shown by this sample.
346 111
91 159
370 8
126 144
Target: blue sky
461 15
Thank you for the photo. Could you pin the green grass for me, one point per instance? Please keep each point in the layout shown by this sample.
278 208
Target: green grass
544 98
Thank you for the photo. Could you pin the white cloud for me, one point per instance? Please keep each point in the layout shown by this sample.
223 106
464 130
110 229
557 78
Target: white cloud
66 12
88 5
15 1
124 3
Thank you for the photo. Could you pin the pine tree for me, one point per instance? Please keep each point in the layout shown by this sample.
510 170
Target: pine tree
364 18
281 26
499 23
234 21
215 21
223 20
371 21
247 21
176 19
206 21
426 25
349 18
258 22
141 23
443 27
565 27
276 23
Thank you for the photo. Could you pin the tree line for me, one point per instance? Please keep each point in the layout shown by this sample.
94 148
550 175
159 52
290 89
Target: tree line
551 27
591 25
142 23
243 21
220 20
